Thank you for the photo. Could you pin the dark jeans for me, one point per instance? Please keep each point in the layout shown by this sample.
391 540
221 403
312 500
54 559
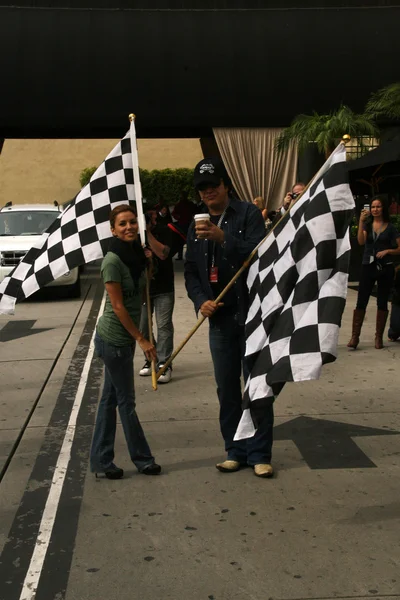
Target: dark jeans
118 391
369 275
227 344
394 329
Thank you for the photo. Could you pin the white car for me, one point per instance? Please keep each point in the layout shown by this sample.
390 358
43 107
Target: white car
20 226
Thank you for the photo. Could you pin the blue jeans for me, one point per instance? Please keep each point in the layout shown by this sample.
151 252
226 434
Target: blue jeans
163 307
227 345
118 391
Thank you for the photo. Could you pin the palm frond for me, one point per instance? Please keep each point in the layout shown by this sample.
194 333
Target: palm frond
326 129
385 103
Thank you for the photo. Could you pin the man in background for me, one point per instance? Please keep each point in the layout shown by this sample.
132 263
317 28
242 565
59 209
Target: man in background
162 295
291 196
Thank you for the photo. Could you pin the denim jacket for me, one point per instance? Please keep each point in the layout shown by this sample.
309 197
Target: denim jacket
244 228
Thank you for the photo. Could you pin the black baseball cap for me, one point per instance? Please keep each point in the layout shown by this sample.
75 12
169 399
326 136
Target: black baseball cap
210 170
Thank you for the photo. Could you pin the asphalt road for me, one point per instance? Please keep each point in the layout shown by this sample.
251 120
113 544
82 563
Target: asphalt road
327 526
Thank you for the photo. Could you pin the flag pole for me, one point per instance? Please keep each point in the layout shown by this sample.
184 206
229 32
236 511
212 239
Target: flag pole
142 233
345 139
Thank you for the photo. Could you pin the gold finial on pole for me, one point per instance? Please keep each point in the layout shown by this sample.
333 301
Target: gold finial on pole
346 138
132 117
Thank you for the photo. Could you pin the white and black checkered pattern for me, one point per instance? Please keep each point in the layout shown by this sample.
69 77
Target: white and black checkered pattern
298 285
79 235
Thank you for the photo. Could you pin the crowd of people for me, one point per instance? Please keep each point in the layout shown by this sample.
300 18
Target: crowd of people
216 247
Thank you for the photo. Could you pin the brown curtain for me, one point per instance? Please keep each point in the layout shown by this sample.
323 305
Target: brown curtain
253 164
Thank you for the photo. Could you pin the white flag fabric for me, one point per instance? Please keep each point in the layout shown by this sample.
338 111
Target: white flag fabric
81 233
298 286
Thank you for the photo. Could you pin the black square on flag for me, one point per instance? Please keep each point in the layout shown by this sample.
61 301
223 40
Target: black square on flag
319 206
287 282
283 327
88 236
97 186
306 290
118 193
114 164
75 257
69 229
44 275
126 145
83 207
302 244
325 251
55 252
129 176
330 310
305 339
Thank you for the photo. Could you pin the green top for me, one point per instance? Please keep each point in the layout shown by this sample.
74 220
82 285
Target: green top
109 327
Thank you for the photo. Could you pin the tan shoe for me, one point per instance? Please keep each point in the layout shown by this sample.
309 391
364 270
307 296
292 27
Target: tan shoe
228 466
263 470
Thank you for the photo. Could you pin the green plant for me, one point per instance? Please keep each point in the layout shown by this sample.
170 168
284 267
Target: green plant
354 227
164 185
85 175
385 103
326 130
395 219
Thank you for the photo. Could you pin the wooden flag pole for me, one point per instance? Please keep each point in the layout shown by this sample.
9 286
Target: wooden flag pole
150 326
346 138
142 233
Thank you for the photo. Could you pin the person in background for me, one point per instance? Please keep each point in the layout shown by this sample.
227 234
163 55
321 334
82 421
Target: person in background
216 249
272 218
163 214
394 327
162 295
260 203
290 196
117 333
394 207
183 214
382 241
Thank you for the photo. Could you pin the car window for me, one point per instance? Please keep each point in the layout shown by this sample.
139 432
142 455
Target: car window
26 222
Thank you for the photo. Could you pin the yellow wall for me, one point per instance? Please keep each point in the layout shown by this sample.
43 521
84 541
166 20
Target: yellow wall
35 171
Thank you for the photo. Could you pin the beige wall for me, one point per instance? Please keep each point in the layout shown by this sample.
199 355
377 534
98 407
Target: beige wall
35 171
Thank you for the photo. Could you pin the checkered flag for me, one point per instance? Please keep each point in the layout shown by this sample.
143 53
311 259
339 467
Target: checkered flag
80 234
298 286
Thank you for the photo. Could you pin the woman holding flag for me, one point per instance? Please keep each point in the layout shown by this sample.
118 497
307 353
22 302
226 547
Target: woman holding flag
117 332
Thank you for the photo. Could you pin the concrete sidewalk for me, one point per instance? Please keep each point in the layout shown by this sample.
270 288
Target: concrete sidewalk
327 526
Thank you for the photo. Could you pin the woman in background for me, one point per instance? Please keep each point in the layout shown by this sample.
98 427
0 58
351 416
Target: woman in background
117 332
260 203
382 241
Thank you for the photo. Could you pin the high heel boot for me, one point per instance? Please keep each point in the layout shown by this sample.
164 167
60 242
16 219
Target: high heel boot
358 319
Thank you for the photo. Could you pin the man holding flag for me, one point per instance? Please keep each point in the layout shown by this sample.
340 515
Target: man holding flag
216 249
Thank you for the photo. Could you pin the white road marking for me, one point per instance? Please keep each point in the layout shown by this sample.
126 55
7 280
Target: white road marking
50 511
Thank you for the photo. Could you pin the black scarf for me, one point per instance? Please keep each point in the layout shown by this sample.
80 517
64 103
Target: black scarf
131 254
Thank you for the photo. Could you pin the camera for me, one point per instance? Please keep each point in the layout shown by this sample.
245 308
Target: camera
294 196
